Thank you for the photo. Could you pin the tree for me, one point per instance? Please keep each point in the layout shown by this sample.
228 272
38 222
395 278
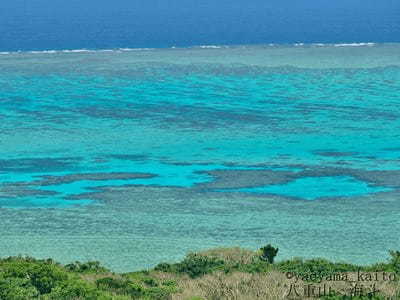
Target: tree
269 253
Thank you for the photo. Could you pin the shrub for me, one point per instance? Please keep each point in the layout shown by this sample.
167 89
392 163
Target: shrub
170 283
158 293
197 265
45 277
269 253
120 286
150 281
74 289
109 283
395 261
194 265
142 277
88 267
17 289
255 267
134 289
165 267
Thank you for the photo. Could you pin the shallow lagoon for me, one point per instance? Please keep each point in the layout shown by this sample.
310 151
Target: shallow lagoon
133 157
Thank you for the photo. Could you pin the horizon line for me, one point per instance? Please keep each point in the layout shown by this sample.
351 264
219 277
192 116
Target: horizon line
211 46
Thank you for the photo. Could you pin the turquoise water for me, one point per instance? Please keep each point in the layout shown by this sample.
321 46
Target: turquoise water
311 188
107 155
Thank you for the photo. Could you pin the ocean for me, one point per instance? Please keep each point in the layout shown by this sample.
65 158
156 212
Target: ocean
137 156
100 24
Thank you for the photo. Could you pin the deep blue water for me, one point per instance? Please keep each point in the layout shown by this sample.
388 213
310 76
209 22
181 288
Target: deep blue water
75 24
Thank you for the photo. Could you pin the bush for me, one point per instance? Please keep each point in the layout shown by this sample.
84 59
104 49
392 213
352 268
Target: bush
158 293
150 281
395 261
109 283
269 253
74 289
120 286
17 289
45 277
170 283
197 265
88 267
194 265
165 267
255 267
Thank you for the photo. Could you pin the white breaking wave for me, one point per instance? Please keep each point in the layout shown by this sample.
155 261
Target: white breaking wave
43 51
354 44
210 47
135 49
119 50
334 45
75 51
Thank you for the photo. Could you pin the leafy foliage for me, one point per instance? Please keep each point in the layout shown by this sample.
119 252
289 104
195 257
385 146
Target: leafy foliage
74 289
88 267
395 261
193 265
269 253
17 289
24 278
120 286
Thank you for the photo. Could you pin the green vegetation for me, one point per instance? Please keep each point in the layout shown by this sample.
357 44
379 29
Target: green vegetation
269 253
193 265
24 278
227 273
